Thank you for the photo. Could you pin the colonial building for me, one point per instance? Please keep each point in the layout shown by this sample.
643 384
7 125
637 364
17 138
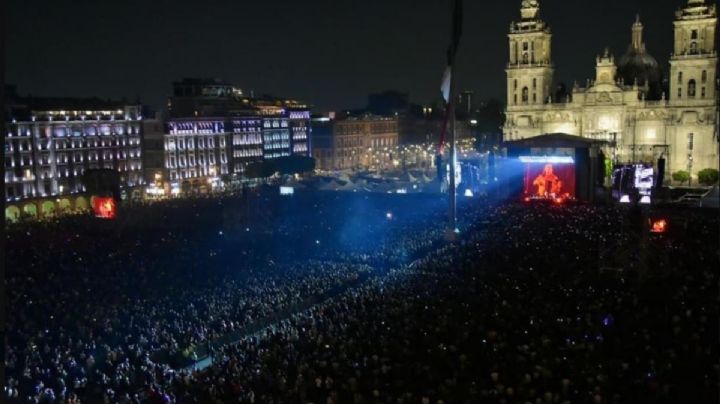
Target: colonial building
51 142
627 102
214 130
348 143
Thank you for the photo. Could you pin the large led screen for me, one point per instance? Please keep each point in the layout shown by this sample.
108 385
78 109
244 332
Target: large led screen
629 180
104 208
549 180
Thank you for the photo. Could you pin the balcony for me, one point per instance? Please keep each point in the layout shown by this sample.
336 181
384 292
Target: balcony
529 65
696 55
691 102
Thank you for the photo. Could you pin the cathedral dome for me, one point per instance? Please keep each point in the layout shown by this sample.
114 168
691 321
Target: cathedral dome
638 65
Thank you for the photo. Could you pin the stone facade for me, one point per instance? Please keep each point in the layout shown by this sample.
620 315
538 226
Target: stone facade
350 143
214 130
681 126
48 148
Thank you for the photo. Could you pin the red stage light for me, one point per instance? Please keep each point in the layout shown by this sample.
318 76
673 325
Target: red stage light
527 199
558 200
104 208
659 226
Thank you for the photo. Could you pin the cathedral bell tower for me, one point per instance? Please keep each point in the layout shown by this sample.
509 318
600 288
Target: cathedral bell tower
530 70
693 65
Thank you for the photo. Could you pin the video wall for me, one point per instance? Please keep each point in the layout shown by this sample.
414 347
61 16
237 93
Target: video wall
633 183
104 207
549 177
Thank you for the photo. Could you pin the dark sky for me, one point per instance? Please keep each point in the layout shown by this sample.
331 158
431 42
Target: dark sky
330 53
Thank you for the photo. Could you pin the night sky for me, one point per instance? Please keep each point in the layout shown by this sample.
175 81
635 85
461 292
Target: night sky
330 53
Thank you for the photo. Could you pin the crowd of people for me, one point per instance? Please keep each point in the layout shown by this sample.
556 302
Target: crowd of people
333 298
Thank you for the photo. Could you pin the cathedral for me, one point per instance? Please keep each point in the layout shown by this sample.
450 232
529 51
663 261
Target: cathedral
643 116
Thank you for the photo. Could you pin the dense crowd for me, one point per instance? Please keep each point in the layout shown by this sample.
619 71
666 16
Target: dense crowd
99 309
345 299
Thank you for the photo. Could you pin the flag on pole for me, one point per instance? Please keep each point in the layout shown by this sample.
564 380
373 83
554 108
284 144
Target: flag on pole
452 50
457 31
445 86
447 78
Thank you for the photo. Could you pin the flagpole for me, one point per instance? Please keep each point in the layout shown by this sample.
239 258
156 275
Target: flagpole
457 17
452 157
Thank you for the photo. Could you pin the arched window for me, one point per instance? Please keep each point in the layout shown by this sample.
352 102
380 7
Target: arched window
704 76
525 94
691 88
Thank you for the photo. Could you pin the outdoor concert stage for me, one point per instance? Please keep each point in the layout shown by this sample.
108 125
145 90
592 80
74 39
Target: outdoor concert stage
555 167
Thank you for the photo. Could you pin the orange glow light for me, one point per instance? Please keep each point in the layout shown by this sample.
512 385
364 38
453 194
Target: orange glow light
659 226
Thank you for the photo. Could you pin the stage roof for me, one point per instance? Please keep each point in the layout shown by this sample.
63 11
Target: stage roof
555 140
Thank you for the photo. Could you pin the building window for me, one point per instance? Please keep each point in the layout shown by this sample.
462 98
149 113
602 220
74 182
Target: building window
525 94
691 88
704 76
515 84
690 142
702 92
680 77
515 99
534 98
679 92
534 84
694 34
693 48
525 58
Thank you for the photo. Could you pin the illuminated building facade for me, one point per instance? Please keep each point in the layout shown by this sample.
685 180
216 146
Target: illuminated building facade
345 143
51 142
196 147
214 130
627 103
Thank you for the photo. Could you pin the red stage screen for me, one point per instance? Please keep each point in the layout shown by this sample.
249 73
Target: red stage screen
549 181
104 207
